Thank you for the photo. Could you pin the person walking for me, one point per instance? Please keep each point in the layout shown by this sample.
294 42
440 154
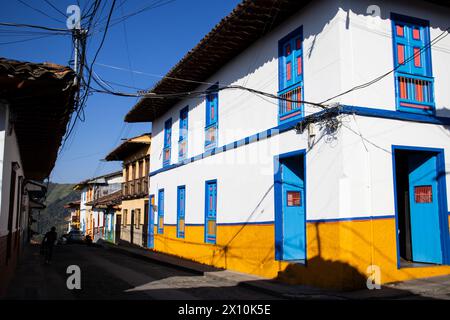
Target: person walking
48 243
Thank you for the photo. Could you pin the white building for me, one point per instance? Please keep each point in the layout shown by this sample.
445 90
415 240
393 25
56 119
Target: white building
35 105
343 175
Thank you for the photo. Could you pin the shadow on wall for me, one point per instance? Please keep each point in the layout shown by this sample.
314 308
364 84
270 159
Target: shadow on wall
324 273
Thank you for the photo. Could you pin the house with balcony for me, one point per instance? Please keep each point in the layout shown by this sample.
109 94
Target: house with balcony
132 225
309 144
73 209
104 205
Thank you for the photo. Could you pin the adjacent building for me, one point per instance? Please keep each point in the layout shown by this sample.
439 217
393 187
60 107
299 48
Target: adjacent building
36 100
74 215
99 202
133 223
313 145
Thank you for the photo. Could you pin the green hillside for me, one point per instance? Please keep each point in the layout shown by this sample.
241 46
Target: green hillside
55 213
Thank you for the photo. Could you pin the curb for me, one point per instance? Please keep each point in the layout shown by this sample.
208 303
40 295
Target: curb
144 257
151 259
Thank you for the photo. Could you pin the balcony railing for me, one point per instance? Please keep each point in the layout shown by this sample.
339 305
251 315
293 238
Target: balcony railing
135 188
288 105
415 92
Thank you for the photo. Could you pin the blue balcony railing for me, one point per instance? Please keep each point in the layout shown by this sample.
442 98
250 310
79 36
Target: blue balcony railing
415 93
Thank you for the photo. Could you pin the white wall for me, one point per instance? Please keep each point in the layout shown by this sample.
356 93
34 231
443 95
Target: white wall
343 47
9 153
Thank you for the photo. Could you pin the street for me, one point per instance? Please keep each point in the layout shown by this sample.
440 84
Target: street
106 274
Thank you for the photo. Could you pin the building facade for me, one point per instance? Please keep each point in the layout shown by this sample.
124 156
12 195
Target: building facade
74 215
35 98
133 224
332 167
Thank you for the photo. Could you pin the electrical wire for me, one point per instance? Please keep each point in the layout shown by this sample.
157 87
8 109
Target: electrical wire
40 11
377 79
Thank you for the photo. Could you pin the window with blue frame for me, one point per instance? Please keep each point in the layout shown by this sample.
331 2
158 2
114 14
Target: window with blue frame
161 211
210 211
182 141
212 112
167 142
181 210
412 57
290 76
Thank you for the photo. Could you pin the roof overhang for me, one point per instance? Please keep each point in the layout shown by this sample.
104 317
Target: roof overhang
40 99
129 147
248 22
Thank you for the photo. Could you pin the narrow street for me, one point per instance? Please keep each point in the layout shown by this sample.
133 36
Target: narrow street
106 274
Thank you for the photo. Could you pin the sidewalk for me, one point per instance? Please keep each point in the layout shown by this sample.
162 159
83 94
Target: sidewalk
430 288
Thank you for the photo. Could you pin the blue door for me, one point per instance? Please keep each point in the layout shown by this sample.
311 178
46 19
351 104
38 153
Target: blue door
151 222
210 211
161 211
291 194
424 208
181 209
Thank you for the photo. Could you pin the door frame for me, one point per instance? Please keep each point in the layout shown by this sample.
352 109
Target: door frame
279 203
151 222
442 198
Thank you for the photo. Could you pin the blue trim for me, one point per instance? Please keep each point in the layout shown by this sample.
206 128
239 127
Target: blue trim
167 142
160 228
210 240
179 233
278 202
151 223
291 37
427 62
352 219
443 204
183 133
344 109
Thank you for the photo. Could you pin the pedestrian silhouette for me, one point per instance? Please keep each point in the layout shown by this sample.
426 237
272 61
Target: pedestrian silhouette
48 243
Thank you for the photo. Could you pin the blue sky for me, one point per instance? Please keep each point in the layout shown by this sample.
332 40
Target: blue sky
156 40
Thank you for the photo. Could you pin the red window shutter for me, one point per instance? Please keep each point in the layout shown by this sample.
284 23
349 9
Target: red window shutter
400 31
419 91
403 89
401 53
417 59
416 34
288 50
288 71
298 44
299 65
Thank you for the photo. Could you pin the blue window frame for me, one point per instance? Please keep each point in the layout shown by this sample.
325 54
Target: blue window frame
182 141
290 76
167 142
414 81
161 211
181 210
212 114
210 211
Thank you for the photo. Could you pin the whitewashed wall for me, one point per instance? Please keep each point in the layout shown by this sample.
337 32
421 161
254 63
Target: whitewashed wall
10 153
343 47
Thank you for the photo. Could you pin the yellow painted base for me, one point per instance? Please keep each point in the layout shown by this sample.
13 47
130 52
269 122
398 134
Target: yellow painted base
338 253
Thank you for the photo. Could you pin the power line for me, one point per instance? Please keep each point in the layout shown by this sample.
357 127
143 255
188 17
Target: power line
54 7
40 11
25 25
369 83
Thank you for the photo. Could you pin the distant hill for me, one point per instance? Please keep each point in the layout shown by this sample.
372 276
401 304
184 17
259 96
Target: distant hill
55 213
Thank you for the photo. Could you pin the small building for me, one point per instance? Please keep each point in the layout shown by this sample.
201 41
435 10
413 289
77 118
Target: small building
36 101
134 219
74 215
310 143
104 205
99 203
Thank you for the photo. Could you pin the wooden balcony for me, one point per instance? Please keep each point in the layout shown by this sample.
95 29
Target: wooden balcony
136 188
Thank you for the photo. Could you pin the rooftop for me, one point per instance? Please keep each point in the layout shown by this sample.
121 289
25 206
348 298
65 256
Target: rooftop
41 99
129 147
233 34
